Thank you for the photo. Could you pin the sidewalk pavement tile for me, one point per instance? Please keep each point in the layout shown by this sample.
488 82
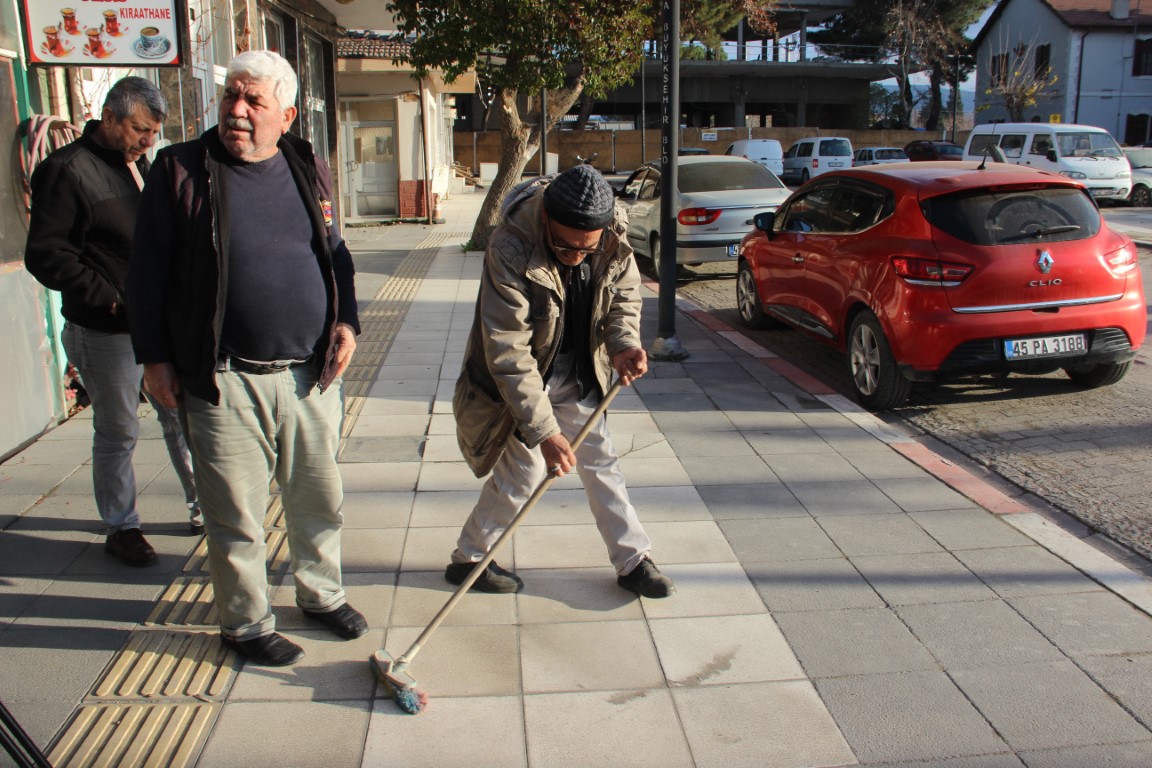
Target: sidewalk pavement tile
604 728
1136 755
1088 623
457 660
977 634
931 577
843 643
421 594
391 425
908 716
441 509
723 650
1127 677
811 585
448 476
380 476
846 497
969 527
1022 571
332 670
430 549
778 539
920 494
560 595
480 731
370 593
274 734
726 470
706 589
589 655
878 535
751 501
378 509
768 725
1051 704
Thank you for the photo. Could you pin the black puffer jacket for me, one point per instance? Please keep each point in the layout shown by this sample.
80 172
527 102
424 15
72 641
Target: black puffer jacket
84 202
178 281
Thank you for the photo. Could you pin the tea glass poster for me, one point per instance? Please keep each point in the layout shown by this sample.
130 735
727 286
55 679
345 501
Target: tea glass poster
102 33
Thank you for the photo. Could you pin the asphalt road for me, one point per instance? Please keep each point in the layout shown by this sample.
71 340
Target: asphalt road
1088 452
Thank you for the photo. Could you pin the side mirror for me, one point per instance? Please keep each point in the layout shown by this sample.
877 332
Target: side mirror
764 221
1051 155
624 194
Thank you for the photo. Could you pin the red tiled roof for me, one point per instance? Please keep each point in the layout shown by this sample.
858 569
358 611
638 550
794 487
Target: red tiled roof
1095 13
371 45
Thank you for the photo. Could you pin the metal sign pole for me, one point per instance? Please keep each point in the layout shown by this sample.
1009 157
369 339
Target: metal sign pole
667 346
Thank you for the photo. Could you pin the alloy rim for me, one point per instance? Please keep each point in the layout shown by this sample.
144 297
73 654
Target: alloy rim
865 360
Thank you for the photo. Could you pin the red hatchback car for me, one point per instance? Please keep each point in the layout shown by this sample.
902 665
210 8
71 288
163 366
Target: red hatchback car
926 271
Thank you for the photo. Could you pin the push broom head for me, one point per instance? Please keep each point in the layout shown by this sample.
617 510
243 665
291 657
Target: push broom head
401 686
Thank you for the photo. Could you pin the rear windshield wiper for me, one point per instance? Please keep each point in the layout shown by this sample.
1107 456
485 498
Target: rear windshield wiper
1059 229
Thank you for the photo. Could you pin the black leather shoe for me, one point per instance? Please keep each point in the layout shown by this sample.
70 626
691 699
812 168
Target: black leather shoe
647 581
272 650
130 547
495 579
345 621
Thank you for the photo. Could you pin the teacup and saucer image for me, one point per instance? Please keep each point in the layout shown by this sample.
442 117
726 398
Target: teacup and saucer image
54 44
151 44
96 46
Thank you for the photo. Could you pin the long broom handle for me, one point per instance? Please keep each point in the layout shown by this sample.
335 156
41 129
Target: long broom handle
482 565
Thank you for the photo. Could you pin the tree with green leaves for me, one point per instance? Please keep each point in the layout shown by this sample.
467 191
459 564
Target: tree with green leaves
916 35
519 47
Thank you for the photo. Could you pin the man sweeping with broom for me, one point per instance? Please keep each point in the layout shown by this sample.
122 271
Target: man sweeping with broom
558 313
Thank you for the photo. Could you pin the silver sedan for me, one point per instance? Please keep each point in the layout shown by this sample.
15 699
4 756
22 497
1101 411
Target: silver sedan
718 197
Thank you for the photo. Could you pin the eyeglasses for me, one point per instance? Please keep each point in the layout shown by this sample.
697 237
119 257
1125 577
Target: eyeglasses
567 251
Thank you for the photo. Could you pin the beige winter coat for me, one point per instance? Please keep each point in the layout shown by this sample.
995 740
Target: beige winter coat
516 332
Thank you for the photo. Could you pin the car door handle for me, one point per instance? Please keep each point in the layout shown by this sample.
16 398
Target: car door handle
797 259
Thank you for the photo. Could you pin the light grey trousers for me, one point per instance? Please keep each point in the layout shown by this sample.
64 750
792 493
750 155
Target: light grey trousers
520 469
270 426
111 377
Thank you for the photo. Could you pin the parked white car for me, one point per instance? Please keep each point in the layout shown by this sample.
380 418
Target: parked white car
718 198
879 156
1141 160
813 156
768 152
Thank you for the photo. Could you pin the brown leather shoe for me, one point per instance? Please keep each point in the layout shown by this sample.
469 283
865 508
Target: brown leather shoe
272 650
130 547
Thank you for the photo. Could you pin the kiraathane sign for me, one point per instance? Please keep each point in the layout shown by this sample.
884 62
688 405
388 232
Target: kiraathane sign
102 33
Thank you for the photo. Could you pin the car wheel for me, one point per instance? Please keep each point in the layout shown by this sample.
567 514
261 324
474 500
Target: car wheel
1092 376
804 176
1141 196
876 378
752 313
680 271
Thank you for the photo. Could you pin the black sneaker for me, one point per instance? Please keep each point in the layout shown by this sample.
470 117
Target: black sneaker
272 650
647 581
494 579
130 547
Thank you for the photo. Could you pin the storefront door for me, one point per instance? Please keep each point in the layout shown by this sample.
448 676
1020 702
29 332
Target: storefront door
369 157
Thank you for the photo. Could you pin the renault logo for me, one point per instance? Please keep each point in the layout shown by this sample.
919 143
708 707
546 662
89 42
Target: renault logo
1044 262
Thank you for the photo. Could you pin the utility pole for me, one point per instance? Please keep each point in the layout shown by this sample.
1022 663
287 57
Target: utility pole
667 346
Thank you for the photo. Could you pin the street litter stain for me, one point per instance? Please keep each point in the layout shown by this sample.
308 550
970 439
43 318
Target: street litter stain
720 663
625 697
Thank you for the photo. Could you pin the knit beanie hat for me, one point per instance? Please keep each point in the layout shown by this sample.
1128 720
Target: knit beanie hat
580 198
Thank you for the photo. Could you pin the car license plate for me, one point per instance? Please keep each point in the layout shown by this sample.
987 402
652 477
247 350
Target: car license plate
1102 191
1045 346
733 249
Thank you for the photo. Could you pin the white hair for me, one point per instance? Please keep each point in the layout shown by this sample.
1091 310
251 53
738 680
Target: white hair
271 67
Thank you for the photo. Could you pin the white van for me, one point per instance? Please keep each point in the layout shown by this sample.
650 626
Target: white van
1082 152
812 157
768 152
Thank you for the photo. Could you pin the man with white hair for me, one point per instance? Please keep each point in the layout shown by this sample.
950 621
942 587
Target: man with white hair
243 312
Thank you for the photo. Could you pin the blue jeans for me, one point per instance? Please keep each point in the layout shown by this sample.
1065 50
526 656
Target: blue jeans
112 378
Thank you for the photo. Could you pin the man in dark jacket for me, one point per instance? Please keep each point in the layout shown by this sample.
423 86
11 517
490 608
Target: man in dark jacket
243 311
84 199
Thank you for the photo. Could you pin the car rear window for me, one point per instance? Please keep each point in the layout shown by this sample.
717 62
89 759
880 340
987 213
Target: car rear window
1010 217
835 148
890 154
951 151
714 177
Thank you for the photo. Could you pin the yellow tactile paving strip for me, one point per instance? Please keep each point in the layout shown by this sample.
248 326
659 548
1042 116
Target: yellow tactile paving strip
159 697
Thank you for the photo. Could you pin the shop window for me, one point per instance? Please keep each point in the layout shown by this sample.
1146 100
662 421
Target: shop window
1142 59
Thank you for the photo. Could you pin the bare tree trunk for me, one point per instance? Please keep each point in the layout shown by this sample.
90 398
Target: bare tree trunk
519 140
935 99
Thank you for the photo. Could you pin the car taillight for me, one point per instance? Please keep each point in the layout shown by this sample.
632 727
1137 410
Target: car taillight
930 271
1122 261
695 216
